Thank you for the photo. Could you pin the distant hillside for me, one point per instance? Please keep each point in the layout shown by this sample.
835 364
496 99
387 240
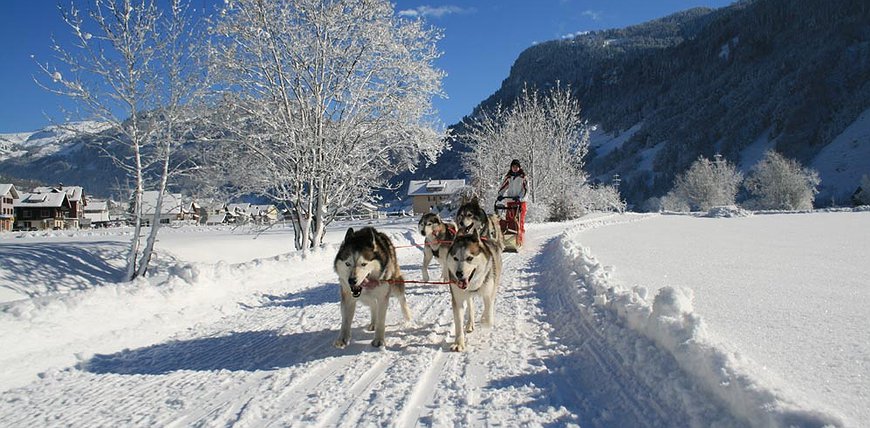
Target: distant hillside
65 154
787 74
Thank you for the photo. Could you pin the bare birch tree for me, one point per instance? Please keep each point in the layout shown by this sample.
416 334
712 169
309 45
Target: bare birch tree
180 84
330 97
118 71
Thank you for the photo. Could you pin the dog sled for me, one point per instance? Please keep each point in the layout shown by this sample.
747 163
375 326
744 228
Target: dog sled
508 211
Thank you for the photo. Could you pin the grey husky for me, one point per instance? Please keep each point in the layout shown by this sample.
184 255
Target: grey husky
474 269
439 235
470 217
368 272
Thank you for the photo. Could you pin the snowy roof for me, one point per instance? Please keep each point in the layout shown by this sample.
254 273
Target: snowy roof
47 200
6 189
240 207
217 218
171 203
97 206
434 187
263 207
73 192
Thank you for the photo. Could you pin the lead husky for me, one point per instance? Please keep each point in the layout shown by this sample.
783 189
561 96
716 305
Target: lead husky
368 271
470 217
439 235
474 268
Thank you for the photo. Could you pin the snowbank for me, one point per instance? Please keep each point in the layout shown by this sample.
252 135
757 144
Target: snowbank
672 324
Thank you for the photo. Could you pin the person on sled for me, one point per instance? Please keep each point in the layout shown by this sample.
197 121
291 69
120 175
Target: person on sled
515 187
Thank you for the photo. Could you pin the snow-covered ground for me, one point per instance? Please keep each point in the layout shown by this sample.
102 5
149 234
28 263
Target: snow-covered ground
232 330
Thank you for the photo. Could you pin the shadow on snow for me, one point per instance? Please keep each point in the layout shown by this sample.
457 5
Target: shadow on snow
246 351
61 266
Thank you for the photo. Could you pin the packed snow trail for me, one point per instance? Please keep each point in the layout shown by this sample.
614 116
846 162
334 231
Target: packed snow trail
271 363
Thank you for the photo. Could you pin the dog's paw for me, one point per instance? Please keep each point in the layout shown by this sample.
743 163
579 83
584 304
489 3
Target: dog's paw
425 275
340 343
469 328
370 327
378 343
457 347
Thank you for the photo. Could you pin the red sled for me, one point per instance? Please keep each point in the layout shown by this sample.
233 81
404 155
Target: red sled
510 222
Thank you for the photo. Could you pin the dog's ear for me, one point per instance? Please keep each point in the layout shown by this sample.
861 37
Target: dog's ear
348 234
374 240
476 235
420 225
475 201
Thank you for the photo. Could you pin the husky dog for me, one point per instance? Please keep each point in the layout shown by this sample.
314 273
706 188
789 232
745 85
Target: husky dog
368 271
439 235
471 216
474 268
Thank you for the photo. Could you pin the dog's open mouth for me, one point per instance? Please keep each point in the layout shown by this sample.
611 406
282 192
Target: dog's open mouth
463 283
367 283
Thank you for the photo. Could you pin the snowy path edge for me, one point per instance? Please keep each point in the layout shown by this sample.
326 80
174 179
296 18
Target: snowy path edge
671 323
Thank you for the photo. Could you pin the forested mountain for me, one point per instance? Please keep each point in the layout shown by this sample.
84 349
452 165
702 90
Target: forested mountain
793 73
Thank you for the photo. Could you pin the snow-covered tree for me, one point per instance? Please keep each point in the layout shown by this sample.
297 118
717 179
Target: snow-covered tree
118 69
672 202
323 101
779 183
544 131
707 184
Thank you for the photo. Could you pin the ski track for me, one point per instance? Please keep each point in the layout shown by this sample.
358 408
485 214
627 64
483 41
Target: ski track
547 361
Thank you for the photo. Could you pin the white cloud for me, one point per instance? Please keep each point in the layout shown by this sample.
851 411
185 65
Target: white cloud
595 15
434 12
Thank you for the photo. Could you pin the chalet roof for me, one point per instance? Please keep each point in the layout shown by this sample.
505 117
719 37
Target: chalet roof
263 208
6 189
95 206
171 203
434 187
75 193
42 200
216 218
243 207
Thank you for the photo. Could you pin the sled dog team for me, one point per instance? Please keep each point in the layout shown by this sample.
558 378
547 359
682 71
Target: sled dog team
470 256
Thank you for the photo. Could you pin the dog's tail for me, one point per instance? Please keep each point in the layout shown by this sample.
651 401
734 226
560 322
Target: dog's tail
397 288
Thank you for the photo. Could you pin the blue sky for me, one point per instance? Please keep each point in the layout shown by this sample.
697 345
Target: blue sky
482 38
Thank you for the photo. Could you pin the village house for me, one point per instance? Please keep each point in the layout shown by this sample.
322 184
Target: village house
8 196
170 210
432 195
42 211
75 196
97 213
264 213
239 212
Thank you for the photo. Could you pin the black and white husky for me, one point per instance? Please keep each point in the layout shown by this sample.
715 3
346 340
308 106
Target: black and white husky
474 269
439 235
470 217
368 271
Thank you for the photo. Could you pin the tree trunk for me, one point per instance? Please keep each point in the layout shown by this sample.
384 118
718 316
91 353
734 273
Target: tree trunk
137 214
155 222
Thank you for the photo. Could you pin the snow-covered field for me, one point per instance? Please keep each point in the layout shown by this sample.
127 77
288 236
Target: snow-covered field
232 330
